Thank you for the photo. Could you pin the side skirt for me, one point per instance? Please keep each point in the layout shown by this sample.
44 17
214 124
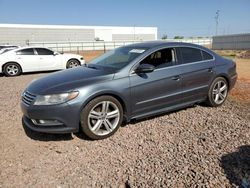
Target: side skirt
164 110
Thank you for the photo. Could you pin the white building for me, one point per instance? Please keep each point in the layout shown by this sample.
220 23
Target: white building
20 34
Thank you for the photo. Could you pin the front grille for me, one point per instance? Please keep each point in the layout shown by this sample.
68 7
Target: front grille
28 98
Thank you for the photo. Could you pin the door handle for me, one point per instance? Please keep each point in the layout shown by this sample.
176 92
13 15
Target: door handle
210 70
177 78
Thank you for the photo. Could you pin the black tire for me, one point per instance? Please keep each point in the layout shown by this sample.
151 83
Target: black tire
94 105
12 69
215 90
72 63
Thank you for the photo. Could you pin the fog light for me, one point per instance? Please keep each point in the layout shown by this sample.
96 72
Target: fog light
46 122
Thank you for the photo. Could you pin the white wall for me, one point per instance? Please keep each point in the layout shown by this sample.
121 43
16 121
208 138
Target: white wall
103 34
20 33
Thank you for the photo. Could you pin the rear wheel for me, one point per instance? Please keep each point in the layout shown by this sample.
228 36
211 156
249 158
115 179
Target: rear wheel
72 63
12 69
218 92
101 117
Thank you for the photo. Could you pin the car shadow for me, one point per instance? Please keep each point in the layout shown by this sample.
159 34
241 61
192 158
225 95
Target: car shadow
82 136
46 136
236 166
30 73
39 72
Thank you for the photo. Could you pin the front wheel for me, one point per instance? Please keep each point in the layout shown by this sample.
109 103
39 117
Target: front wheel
101 117
218 92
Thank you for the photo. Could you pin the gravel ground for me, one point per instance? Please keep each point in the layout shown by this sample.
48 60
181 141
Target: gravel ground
194 147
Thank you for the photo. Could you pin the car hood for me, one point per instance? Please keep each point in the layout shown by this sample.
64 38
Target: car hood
69 79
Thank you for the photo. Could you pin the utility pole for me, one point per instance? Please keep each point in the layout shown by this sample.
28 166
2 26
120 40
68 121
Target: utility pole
217 14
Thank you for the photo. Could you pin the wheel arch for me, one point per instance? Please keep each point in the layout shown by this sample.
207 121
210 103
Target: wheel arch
226 78
112 94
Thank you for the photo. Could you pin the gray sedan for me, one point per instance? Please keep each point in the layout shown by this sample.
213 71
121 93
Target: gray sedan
130 82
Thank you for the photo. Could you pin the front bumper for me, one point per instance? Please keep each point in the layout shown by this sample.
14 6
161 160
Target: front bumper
82 61
67 114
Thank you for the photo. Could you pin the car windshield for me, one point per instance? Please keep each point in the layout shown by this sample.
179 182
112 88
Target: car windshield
6 50
118 58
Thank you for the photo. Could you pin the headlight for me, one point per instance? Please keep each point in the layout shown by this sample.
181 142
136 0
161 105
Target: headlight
55 98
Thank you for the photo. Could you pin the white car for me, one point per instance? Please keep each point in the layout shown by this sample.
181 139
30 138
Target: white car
30 59
7 49
8 46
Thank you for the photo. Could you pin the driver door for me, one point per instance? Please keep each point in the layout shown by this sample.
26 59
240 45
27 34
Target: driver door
158 89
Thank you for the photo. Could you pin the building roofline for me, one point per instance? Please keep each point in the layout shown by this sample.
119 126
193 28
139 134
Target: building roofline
232 35
68 26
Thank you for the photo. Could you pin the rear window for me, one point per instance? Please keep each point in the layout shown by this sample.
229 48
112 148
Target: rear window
190 55
28 51
206 56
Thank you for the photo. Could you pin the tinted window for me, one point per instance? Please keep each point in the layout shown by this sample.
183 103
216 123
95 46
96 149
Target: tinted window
190 55
161 58
28 51
44 51
206 56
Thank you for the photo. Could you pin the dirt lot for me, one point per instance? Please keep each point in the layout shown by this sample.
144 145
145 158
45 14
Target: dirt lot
198 146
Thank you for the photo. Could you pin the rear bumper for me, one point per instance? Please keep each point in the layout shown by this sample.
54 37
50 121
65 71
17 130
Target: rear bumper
67 114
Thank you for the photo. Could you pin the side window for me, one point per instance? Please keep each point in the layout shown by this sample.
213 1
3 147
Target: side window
206 56
44 51
190 55
28 51
162 58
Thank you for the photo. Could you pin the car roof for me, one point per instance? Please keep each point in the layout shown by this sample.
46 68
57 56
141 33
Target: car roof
152 44
26 47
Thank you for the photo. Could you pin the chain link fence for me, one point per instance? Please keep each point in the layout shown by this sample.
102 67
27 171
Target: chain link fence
79 46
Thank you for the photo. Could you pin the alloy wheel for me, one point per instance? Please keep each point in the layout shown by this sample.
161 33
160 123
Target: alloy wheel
220 92
12 69
103 118
73 64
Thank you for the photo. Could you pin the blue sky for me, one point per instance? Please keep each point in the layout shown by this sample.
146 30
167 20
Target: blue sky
176 17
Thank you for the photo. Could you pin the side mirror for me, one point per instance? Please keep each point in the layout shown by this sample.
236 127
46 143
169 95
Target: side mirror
145 68
56 53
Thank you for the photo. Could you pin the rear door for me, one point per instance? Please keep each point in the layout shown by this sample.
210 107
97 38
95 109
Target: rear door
197 72
28 60
47 59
